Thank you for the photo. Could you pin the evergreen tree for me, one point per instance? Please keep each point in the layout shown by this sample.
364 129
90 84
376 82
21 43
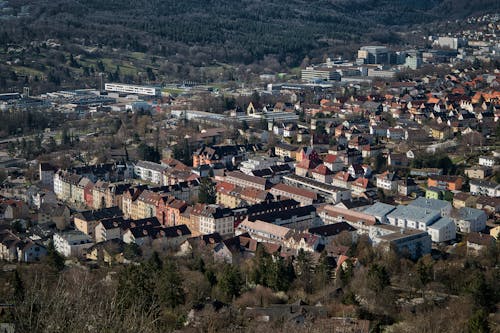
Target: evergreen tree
378 278
207 194
169 285
54 258
304 270
18 286
230 281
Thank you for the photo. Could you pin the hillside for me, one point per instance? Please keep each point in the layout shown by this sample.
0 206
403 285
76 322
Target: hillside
205 32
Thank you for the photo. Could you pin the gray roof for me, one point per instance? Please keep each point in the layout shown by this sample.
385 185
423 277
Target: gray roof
470 214
441 223
415 214
379 209
150 166
434 204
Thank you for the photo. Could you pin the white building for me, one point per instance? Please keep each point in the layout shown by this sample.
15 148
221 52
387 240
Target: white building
149 171
216 219
442 230
413 217
470 219
488 161
387 181
72 243
133 89
482 187
257 163
263 231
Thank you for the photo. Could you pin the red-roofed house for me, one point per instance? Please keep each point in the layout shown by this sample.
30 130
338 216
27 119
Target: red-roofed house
333 162
323 174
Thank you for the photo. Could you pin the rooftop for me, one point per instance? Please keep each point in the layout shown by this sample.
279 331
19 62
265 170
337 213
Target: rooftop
433 204
379 209
415 213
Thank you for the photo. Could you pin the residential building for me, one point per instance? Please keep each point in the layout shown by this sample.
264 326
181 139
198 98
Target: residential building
482 187
487 161
477 241
412 243
442 206
86 221
433 192
243 180
442 230
227 155
407 186
333 162
478 172
57 214
169 209
300 240
463 199
299 218
451 183
72 243
327 233
488 204
263 231
159 239
387 181
285 150
342 179
108 229
46 173
213 218
470 219
322 174
149 172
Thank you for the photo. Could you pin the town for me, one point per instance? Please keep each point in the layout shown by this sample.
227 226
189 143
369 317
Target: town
350 196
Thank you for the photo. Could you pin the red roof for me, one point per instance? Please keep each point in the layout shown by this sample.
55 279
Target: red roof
295 190
330 158
322 170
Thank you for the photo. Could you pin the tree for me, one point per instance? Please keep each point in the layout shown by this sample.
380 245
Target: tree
132 251
230 281
148 153
323 271
18 286
304 270
380 163
378 278
207 194
53 257
478 323
169 285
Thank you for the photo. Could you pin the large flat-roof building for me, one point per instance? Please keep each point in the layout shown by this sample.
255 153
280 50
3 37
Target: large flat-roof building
312 74
133 89
410 242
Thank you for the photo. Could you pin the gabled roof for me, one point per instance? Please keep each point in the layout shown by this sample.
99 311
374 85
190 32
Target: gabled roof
331 229
322 170
96 215
295 191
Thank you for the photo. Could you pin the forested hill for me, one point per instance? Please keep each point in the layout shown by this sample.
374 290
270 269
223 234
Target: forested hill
231 31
